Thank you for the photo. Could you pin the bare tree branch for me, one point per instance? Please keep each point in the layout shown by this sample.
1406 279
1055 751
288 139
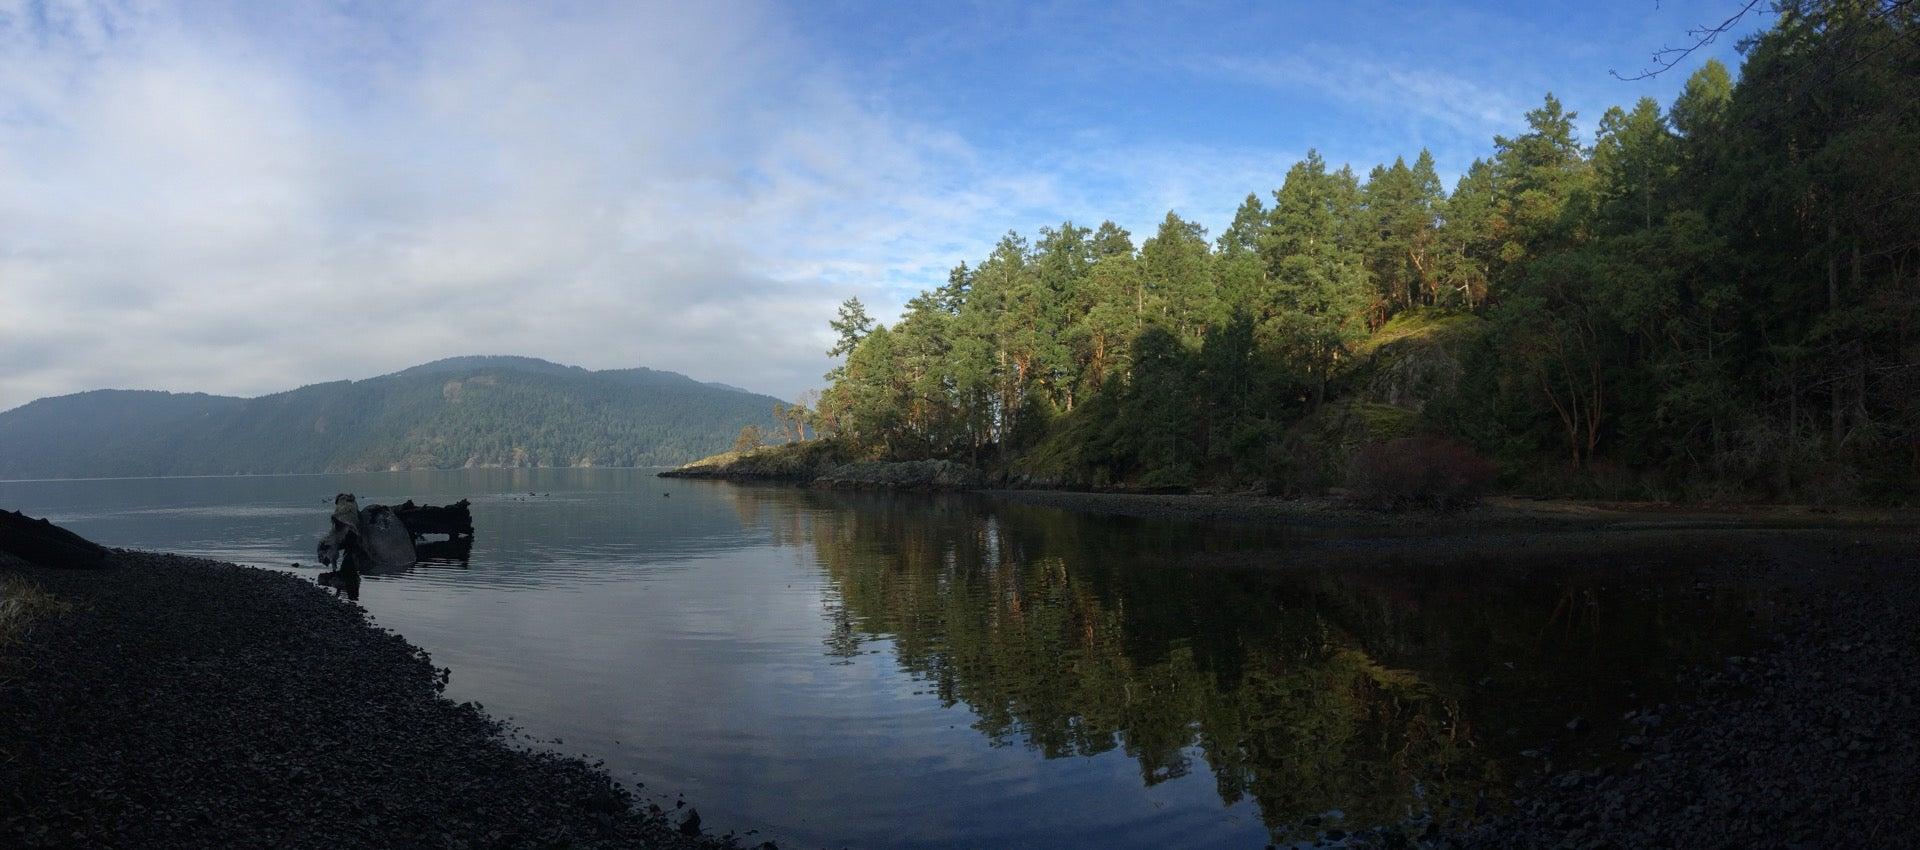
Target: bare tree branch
1666 58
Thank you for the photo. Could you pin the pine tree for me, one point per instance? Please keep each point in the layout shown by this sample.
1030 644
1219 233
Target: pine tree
1317 288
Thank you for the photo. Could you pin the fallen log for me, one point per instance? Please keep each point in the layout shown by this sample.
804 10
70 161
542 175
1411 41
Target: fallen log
38 541
452 550
454 521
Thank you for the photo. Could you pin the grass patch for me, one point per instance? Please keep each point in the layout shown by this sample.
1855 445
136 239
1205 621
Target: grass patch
22 603
1385 422
787 461
1426 323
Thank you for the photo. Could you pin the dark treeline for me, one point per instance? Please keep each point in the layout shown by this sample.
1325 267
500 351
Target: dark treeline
1716 298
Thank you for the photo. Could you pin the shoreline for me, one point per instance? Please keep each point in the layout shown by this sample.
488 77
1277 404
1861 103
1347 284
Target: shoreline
1494 513
189 702
304 474
815 466
241 705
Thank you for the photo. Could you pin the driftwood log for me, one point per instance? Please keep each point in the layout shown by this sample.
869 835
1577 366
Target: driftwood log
373 539
455 520
38 541
379 538
451 550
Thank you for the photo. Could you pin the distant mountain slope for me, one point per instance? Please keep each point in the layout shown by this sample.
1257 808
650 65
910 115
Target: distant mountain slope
463 411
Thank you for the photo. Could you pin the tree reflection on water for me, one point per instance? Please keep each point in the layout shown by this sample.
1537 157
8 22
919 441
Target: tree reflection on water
1377 686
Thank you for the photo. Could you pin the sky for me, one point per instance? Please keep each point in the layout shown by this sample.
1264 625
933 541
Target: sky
241 198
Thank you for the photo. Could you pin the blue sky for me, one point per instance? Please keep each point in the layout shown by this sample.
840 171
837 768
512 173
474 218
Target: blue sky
242 197
1053 83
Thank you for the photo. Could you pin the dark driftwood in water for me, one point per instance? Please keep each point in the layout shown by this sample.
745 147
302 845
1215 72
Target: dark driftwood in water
452 549
370 539
38 541
451 520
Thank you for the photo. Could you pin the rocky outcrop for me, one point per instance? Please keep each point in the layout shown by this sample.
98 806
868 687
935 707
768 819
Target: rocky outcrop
1417 357
37 541
826 464
915 475
791 462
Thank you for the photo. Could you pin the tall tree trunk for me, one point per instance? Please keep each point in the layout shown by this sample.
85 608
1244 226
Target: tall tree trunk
1320 381
1833 305
1793 403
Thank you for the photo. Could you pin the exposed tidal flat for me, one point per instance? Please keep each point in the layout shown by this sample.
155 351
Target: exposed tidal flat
807 663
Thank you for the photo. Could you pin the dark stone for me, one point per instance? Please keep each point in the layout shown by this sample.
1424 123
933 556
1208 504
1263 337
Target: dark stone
38 541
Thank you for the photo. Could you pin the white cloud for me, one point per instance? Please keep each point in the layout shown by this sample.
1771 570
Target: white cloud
243 198
1456 116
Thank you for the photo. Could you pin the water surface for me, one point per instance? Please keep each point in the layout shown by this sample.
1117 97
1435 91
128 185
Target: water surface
880 671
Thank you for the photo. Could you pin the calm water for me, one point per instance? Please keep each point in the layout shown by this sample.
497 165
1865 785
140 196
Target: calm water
893 671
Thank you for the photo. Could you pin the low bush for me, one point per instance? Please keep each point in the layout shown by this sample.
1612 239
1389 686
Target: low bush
1419 472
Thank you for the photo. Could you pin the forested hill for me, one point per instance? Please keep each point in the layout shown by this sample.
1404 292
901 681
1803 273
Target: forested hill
464 411
1713 298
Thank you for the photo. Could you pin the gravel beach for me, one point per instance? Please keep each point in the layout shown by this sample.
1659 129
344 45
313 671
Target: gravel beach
190 703
1811 740
1494 513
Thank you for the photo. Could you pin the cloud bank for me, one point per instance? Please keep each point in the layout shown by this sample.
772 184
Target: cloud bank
220 197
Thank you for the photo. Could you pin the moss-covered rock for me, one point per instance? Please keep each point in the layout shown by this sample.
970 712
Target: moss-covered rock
915 475
1415 358
828 463
796 462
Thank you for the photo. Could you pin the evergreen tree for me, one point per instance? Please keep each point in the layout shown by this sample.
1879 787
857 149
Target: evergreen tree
1720 296
1317 289
1179 278
1635 161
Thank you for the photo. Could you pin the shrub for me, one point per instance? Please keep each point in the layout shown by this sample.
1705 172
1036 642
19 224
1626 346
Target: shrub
1419 472
1780 465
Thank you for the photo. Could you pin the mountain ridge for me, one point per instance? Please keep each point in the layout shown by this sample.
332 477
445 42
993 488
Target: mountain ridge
474 411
